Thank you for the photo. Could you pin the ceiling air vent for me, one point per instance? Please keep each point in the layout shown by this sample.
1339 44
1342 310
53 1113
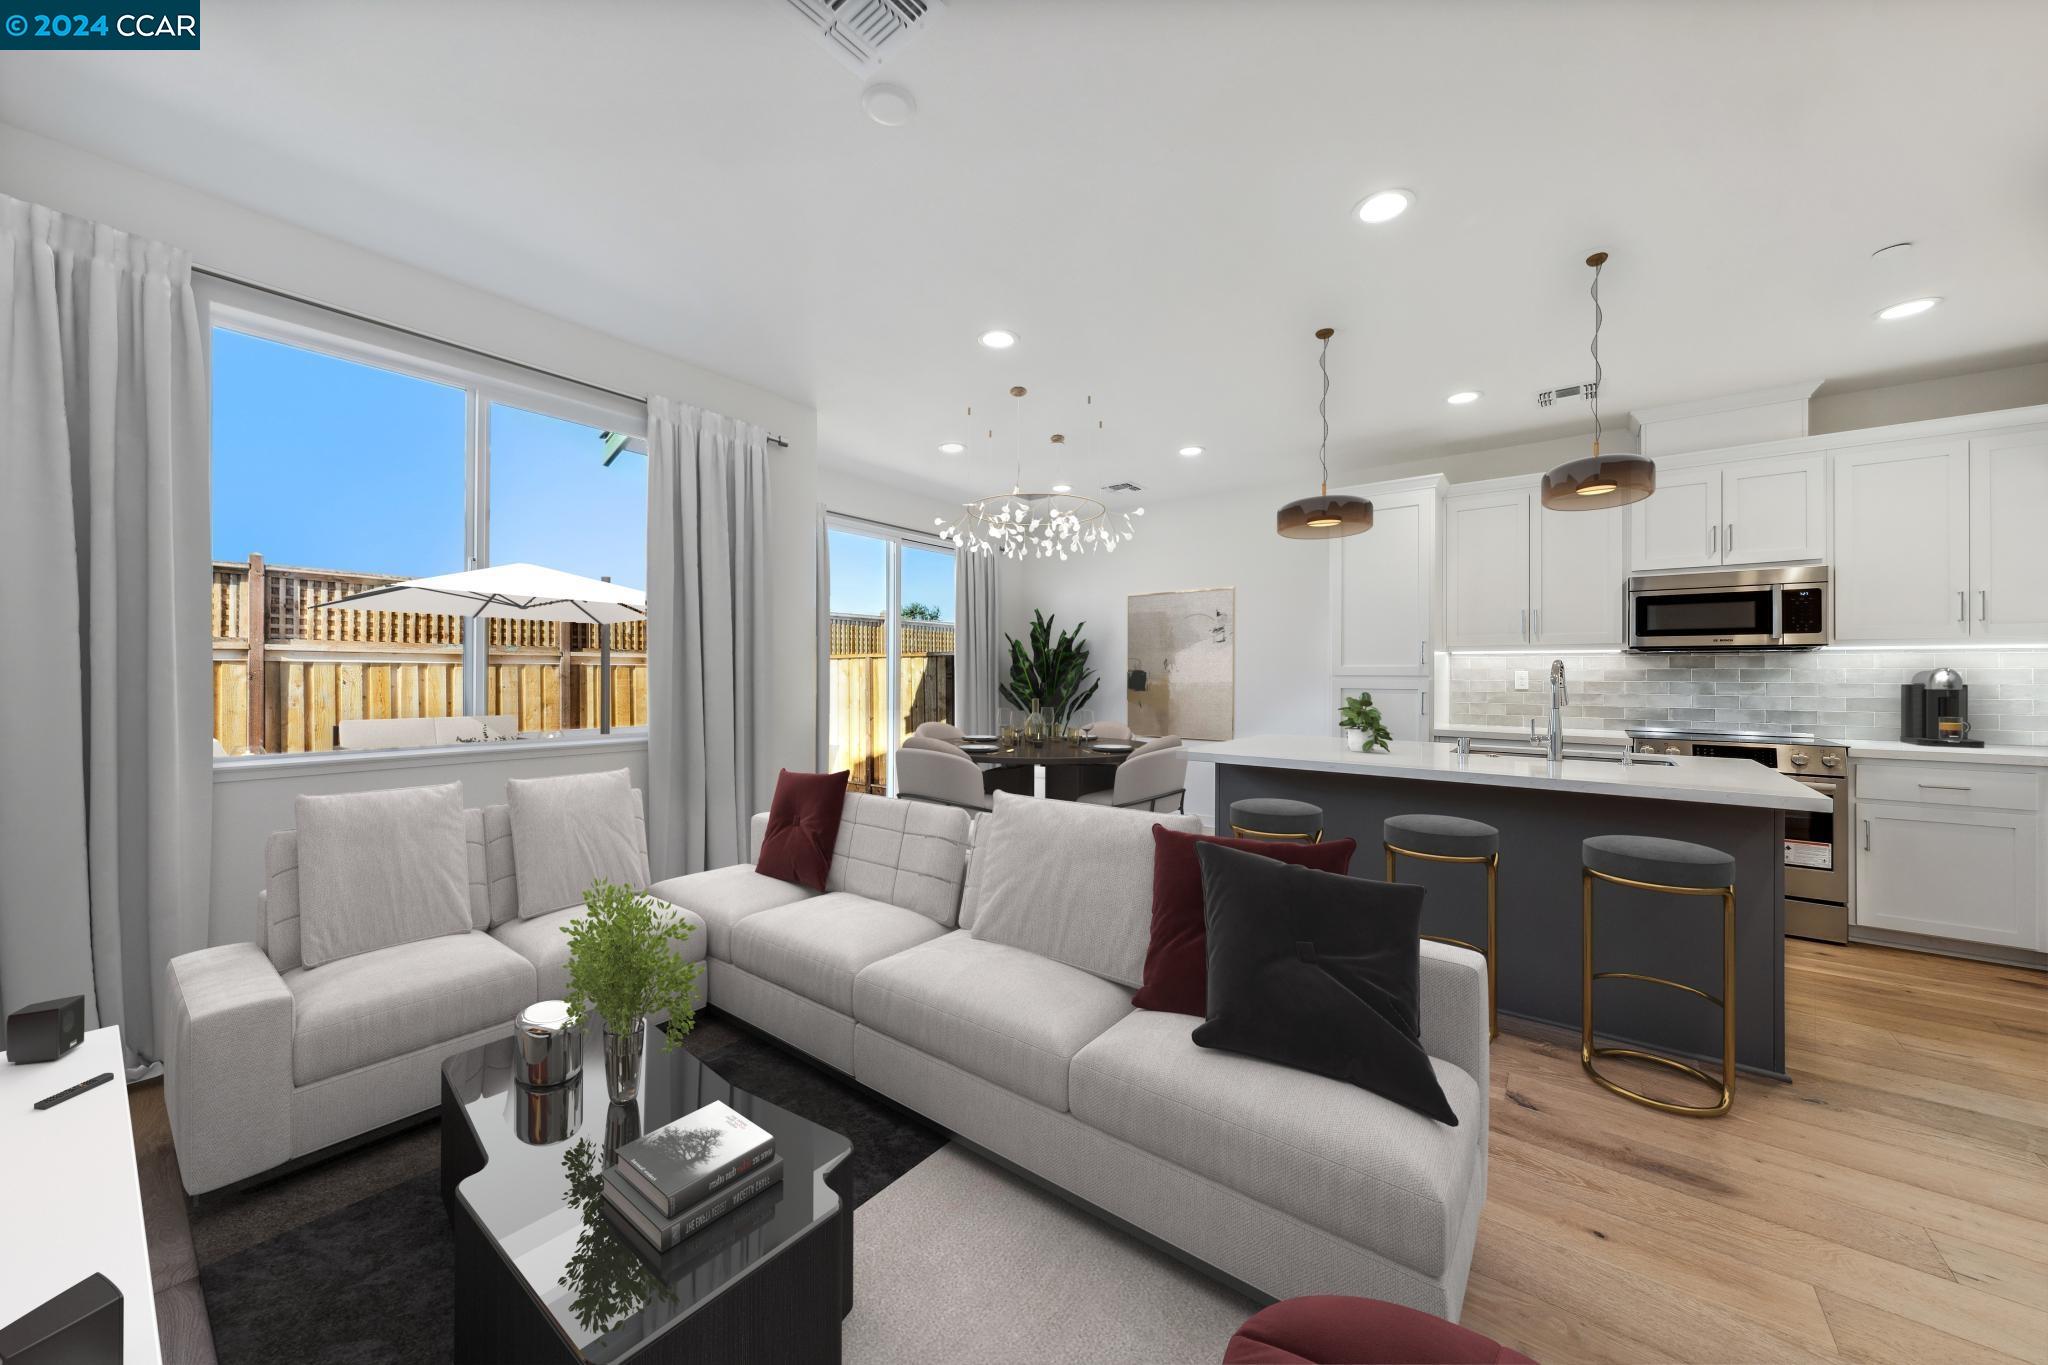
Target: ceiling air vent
865 33
1126 487
1584 391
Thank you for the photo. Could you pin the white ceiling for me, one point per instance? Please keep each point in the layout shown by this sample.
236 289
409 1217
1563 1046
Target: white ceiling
1155 196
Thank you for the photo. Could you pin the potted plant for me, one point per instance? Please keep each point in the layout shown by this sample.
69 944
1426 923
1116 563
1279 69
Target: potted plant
1049 677
1363 728
622 968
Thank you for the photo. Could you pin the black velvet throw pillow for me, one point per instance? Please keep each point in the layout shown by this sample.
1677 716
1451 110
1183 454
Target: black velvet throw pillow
1318 972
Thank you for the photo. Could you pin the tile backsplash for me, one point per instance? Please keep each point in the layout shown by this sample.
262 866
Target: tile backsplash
1838 694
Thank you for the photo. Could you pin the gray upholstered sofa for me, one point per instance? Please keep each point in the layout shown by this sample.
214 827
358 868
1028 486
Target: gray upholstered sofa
1286 1181
267 1060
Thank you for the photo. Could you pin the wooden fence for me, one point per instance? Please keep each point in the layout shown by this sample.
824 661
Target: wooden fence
288 669
858 722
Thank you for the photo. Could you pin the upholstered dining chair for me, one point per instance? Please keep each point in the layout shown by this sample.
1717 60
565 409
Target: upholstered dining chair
1153 746
1155 778
938 729
1115 731
929 769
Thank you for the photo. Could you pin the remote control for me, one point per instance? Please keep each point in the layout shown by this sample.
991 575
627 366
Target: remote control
76 1090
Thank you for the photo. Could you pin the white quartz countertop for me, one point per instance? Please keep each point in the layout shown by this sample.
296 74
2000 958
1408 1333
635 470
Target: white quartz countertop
2025 755
1702 781
1520 735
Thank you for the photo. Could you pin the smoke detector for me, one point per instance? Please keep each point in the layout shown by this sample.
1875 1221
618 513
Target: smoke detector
1584 391
863 34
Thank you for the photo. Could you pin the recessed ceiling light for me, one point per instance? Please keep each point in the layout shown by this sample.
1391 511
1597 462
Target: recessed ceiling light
1463 396
889 105
1383 206
1190 451
1910 308
1063 488
996 339
951 448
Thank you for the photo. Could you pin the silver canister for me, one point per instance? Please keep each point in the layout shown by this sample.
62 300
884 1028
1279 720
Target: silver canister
550 1047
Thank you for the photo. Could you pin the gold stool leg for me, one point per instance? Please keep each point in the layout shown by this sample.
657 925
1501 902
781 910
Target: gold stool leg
1586 977
1493 946
1390 860
1726 1001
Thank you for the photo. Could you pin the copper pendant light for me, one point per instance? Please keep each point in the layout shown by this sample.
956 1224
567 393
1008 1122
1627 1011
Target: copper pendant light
1597 481
1324 517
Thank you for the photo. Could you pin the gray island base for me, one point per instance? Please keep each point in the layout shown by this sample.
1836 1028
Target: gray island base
1543 812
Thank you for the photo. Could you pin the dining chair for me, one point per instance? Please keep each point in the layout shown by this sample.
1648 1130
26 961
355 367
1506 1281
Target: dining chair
1155 780
1115 731
939 729
934 770
1153 746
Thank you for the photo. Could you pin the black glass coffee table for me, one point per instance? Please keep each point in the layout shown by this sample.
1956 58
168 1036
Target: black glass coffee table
542 1273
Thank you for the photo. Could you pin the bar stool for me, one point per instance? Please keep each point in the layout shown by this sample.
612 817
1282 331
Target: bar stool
1275 817
1453 839
1678 869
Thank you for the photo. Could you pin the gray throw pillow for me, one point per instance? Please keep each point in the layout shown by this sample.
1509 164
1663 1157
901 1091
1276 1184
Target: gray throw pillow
1069 880
568 832
377 869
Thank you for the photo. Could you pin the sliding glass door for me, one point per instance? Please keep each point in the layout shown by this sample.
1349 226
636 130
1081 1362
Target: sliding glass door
889 645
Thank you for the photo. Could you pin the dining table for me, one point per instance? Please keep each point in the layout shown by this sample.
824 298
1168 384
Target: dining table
1073 767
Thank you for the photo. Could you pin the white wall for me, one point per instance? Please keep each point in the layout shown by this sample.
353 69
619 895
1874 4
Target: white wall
252 797
2017 386
237 241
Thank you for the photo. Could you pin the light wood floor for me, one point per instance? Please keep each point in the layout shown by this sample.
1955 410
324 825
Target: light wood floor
1888 1206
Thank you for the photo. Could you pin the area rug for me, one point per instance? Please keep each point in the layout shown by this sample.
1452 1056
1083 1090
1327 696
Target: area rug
350 1262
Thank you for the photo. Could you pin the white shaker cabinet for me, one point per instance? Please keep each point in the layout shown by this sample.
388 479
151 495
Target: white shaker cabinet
1575 602
1678 526
1902 543
1383 582
1950 850
1487 565
1403 704
1775 511
1517 573
2009 537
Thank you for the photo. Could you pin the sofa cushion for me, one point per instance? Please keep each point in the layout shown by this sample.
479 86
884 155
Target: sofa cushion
543 942
1338 1329
1069 881
1333 1155
908 853
380 868
378 1005
1320 972
1176 963
572 831
724 896
803 827
816 947
1006 1015
498 881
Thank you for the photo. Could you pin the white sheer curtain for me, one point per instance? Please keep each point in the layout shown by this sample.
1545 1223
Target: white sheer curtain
980 642
707 632
106 755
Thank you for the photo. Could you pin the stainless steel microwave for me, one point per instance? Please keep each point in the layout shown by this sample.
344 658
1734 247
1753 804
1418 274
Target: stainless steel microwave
1776 607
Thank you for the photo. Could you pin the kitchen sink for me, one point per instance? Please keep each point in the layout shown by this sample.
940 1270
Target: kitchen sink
1579 756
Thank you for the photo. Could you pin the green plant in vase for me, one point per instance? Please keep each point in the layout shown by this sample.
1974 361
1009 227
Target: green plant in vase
1363 728
1051 674
623 967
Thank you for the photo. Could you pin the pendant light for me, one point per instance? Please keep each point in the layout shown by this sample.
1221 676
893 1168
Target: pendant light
1598 480
1324 517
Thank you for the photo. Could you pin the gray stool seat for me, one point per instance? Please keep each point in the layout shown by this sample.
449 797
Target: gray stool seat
1442 836
1666 862
1276 816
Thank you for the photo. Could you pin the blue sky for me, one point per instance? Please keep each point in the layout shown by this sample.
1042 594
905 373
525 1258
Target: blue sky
325 463
860 575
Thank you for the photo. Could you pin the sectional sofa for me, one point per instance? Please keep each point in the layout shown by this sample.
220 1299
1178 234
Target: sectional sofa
1284 1181
267 1060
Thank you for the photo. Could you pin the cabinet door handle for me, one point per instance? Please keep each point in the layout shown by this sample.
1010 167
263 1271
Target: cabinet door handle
1713 540
1525 623
1422 651
1962 605
1982 593
1942 787
1866 836
1731 537
1536 624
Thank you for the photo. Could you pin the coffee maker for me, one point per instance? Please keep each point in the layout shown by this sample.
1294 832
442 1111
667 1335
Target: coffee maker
1934 708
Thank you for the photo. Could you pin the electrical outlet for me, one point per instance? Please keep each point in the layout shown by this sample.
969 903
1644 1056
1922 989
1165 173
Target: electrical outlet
1521 680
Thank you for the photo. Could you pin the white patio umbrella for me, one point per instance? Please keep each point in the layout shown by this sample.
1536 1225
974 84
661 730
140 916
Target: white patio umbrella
529 592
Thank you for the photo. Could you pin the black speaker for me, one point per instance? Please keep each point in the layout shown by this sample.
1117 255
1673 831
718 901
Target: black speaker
45 1032
81 1326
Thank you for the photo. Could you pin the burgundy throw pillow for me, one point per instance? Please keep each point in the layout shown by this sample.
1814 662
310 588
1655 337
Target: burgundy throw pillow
803 826
1177 959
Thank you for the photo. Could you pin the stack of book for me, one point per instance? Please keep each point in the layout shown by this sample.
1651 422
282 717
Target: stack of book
674 1181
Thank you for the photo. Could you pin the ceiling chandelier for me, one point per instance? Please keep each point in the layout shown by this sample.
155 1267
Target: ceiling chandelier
1025 525
1597 480
1324 517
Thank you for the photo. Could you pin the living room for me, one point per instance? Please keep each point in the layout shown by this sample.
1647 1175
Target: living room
568 568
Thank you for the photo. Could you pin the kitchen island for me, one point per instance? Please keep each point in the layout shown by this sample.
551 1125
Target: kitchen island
1543 811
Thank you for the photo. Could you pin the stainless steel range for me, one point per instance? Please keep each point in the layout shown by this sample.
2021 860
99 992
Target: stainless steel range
1816 851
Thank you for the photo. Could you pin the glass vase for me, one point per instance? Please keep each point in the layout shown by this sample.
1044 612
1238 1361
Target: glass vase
622 1054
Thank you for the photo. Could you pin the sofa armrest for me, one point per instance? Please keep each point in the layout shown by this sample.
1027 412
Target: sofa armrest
227 1036
757 831
1454 1018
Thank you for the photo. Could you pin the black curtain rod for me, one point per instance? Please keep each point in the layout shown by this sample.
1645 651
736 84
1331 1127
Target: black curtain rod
773 439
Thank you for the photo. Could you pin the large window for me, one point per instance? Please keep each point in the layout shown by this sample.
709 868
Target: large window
345 457
889 645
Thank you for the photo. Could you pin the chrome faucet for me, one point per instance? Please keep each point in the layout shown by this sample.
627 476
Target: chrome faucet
1559 699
